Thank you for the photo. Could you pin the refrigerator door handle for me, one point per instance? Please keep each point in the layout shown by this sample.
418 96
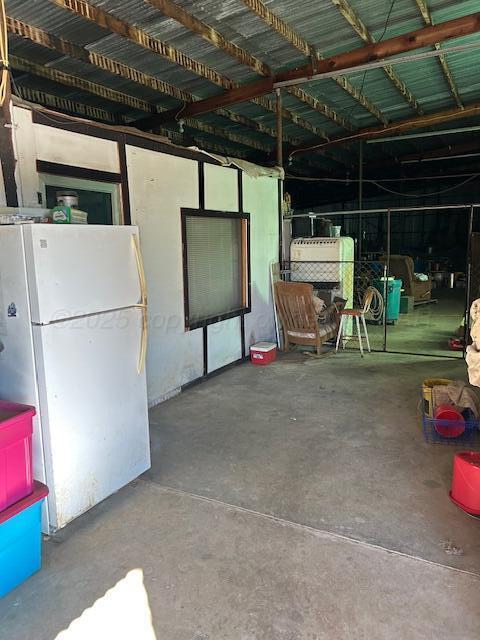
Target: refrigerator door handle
143 303
143 340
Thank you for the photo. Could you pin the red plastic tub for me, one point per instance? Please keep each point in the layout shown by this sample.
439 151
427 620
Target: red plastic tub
263 352
465 492
449 422
16 480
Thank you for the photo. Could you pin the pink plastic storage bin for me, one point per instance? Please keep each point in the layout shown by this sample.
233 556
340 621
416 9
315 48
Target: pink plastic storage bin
16 480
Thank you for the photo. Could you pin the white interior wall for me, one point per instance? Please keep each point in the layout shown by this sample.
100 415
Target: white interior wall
25 145
260 199
159 186
224 340
83 151
34 142
221 188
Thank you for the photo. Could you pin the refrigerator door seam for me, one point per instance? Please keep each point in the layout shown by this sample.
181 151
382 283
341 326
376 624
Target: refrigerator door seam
87 315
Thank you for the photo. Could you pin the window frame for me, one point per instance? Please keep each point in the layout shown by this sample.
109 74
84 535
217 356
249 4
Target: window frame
112 188
246 265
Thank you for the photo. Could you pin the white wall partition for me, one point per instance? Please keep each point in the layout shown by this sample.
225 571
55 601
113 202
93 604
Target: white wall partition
224 343
56 145
160 183
260 198
221 188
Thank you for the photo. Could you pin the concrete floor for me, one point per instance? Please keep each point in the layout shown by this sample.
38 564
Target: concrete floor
427 329
288 502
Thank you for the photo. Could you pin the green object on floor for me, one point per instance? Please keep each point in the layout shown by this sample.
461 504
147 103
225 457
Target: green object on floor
394 288
407 304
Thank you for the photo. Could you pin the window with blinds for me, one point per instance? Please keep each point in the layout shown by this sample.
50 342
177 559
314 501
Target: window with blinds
215 265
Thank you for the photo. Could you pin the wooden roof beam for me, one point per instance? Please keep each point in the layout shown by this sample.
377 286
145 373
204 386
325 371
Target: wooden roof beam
61 103
213 37
351 17
138 36
65 47
100 91
427 17
399 44
297 41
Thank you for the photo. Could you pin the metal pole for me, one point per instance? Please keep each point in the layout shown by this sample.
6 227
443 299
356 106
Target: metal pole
435 207
387 270
279 128
469 281
360 198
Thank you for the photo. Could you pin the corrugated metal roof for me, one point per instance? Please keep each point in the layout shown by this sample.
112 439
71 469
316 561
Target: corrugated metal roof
318 22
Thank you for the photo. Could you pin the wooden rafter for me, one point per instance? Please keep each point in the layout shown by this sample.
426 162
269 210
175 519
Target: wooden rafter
66 104
49 73
427 18
65 47
116 96
141 38
212 36
297 41
111 23
352 18
410 41
216 39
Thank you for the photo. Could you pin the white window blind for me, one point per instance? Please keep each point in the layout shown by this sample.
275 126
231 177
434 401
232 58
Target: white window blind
214 266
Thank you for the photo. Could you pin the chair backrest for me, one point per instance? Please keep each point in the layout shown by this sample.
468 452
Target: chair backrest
367 299
294 301
401 267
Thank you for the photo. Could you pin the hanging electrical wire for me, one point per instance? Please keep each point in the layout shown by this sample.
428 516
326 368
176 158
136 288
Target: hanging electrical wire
424 195
3 54
376 183
385 27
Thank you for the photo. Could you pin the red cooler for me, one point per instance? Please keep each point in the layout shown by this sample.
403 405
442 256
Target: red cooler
465 491
263 352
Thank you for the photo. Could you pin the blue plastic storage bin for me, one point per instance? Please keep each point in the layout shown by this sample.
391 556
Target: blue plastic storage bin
21 539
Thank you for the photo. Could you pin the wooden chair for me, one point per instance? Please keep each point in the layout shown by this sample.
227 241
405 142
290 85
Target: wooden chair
300 323
359 315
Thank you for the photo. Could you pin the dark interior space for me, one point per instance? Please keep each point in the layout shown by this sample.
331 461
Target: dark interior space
98 204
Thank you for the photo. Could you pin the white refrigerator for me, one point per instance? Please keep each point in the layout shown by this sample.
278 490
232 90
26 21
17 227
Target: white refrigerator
73 334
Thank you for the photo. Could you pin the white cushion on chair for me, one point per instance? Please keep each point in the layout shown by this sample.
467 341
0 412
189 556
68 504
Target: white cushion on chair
300 334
